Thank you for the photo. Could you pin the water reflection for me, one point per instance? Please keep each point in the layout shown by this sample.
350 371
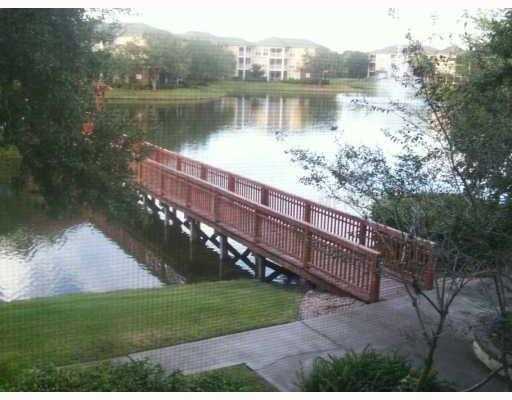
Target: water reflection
43 256
250 135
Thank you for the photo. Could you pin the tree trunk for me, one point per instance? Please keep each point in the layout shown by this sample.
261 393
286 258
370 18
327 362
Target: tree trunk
429 360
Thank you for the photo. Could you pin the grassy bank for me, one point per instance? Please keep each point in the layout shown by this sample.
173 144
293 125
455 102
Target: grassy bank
86 327
202 93
226 88
283 87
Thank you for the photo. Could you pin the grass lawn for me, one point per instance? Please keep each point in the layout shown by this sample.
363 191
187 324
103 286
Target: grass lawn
249 380
86 327
280 87
166 95
224 88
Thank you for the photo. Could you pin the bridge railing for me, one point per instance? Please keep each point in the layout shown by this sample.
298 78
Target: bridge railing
335 260
394 245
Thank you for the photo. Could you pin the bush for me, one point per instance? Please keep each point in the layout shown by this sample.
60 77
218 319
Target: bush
136 376
132 377
10 163
367 371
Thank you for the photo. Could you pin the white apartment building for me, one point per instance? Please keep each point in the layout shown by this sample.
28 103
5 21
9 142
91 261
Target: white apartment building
392 61
279 59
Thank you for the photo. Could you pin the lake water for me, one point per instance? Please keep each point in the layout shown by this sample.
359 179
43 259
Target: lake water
250 135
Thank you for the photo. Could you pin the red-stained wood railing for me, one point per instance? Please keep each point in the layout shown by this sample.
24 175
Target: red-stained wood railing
336 261
303 214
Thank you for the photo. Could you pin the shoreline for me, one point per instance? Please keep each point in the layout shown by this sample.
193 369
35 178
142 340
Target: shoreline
221 89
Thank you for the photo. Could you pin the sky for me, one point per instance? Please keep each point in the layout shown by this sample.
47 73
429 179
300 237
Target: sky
326 22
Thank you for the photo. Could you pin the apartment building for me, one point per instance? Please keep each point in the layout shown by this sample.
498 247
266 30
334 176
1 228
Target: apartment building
393 60
390 61
279 59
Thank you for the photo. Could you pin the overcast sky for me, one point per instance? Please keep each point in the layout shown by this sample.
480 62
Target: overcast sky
326 22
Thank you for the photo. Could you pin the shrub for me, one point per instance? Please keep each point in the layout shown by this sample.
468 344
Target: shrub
10 163
367 371
136 376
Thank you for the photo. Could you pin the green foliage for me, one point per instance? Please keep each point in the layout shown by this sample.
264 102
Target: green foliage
166 58
47 88
256 73
135 376
349 64
10 163
170 60
127 61
208 61
238 378
130 377
367 371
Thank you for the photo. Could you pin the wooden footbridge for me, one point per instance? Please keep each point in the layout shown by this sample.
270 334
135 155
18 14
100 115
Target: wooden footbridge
340 252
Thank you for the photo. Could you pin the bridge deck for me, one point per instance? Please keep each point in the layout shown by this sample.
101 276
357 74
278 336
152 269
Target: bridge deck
322 244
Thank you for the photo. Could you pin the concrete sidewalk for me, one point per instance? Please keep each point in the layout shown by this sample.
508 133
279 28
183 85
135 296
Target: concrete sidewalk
278 353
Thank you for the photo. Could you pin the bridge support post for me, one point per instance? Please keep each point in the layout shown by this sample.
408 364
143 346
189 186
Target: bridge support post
165 208
166 215
195 231
260 267
223 247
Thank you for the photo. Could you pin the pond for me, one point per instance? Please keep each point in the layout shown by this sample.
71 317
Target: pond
44 256
251 135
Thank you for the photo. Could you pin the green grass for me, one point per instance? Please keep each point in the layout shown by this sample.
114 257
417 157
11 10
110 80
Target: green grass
224 88
241 377
336 86
87 327
166 95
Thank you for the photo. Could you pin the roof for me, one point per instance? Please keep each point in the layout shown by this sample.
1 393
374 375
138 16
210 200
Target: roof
451 50
388 50
139 29
216 39
287 42
431 51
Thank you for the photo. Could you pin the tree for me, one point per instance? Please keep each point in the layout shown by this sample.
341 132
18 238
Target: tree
354 64
127 61
256 72
208 61
450 184
47 94
322 64
167 58
326 63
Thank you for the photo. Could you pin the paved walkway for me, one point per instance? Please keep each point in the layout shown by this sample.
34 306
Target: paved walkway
278 353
